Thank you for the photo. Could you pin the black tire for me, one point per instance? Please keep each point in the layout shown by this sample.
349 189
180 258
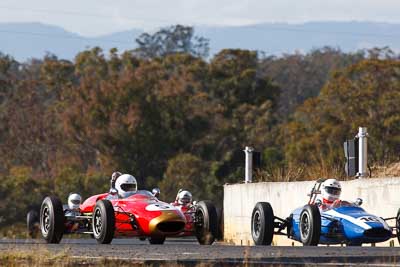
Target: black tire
33 223
52 220
157 240
262 224
103 222
310 225
206 223
398 226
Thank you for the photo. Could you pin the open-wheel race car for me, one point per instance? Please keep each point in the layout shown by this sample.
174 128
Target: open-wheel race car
342 222
141 214
189 208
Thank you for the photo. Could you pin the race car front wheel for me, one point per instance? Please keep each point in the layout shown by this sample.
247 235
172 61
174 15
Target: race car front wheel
262 224
103 222
206 225
52 219
310 225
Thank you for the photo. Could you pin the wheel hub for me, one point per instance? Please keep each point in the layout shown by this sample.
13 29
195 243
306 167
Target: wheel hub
97 222
305 225
257 223
199 220
46 220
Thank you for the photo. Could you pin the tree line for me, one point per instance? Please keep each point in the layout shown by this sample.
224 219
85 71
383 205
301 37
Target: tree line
174 117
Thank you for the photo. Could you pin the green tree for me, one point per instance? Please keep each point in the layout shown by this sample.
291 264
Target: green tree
302 76
171 40
247 103
188 172
364 94
19 191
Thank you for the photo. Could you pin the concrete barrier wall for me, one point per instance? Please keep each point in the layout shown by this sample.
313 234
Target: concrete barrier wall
381 197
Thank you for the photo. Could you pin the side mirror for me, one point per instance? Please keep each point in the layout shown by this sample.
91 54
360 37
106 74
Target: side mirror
358 202
194 203
156 192
318 202
113 192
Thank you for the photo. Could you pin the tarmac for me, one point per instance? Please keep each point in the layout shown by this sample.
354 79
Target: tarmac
187 252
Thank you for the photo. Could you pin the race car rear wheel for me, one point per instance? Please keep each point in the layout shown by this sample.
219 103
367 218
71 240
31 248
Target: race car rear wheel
206 223
103 222
310 225
33 223
159 240
52 219
398 226
262 224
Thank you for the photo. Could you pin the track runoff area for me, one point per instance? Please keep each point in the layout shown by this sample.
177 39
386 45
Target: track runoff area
187 252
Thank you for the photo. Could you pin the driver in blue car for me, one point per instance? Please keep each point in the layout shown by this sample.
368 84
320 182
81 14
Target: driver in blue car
330 194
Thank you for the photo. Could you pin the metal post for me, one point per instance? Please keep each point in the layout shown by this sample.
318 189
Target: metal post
249 164
362 152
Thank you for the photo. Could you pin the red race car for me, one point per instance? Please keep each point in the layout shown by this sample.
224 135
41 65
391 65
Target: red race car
198 215
141 214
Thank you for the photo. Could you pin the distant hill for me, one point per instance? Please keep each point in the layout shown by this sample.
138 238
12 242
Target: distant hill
283 38
33 40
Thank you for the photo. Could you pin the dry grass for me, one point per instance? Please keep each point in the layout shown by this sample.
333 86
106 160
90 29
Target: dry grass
17 230
303 173
41 257
391 170
298 173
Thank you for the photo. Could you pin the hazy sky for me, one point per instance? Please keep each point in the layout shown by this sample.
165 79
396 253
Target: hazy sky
95 17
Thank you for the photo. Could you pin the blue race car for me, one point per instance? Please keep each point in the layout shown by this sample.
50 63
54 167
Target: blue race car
342 223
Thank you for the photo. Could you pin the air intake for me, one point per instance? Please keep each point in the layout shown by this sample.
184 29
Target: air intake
377 232
170 227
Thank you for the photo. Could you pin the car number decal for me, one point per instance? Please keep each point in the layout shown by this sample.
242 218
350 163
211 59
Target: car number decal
369 219
158 206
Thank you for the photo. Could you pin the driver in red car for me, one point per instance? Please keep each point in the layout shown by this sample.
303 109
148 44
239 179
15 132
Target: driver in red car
122 185
330 194
183 200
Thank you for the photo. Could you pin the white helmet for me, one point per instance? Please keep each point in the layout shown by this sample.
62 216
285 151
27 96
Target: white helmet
330 190
184 197
74 200
126 185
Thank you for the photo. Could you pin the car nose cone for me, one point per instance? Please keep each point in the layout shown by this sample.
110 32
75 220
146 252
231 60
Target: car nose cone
168 223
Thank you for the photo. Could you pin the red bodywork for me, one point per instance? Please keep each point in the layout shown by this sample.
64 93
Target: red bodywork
189 212
141 215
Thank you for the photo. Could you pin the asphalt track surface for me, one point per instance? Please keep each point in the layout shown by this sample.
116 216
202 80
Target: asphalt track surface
187 252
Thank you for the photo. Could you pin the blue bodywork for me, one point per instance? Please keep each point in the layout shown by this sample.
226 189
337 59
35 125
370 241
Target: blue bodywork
348 224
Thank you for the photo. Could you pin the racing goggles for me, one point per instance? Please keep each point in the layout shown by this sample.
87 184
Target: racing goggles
185 200
333 190
75 201
128 187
